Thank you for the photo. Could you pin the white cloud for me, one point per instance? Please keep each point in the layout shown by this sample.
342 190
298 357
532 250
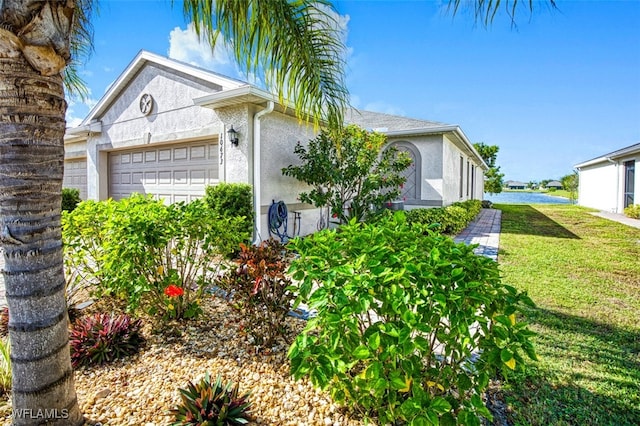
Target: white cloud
186 46
78 109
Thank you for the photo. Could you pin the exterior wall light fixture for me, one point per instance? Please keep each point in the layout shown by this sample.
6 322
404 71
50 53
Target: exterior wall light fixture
233 136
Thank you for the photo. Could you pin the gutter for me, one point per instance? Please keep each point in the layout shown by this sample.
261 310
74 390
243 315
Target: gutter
257 169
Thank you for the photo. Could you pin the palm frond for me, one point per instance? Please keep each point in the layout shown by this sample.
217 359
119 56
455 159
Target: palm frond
296 45
81 46
485 11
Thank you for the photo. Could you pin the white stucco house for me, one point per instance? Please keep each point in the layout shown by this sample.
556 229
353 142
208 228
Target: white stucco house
610 182
162 129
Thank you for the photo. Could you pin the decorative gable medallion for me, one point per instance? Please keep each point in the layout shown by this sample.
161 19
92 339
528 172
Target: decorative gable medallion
146 104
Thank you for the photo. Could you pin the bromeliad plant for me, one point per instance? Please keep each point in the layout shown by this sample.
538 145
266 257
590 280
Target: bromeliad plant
260 289
101 338
410 326
206 403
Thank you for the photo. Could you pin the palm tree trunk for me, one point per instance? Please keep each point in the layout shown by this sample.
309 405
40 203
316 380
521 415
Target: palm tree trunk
32 124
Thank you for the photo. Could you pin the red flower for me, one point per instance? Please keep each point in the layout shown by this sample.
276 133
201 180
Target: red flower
334 215
173 291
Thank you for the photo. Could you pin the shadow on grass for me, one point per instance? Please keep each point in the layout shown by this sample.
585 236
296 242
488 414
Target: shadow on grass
591 375
524 219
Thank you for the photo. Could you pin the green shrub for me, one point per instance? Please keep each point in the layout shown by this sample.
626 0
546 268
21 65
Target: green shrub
101 338
207 403
5 366
633 211
84 234
410 326
232 200
448 220
145 252
259 288
70 199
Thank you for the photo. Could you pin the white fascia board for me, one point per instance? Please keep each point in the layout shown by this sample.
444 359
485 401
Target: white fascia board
83 130
591 162
456 130
239 95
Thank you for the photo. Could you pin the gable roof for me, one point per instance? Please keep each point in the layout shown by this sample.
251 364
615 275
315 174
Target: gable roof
614 155
399 126
144 58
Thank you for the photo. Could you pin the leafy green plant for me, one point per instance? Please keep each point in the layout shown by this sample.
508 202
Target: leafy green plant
142 247
206 403
232 200
101 338
84 234
260 289
5 366
410 326
448 220
633 211
349 171
70 199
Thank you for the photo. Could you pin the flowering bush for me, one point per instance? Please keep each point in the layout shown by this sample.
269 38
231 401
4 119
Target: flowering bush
140 247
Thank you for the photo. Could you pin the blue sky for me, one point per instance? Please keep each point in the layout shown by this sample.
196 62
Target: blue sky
560 88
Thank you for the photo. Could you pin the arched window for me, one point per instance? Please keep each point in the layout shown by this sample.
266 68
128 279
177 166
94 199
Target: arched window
412 188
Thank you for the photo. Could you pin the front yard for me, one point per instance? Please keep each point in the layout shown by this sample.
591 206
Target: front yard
583 273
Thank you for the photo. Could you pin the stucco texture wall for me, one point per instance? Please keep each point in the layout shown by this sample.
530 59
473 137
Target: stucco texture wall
174 118
279 134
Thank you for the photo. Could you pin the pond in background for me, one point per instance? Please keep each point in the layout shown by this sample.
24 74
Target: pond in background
525 198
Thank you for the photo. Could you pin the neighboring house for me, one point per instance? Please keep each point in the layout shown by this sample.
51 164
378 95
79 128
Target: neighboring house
553 184
610 182
512 184
162 129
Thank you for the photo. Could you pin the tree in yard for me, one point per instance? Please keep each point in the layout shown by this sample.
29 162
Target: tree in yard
351 175
570 183
492 178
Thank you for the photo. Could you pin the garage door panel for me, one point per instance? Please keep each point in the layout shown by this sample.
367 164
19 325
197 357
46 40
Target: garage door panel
75 176
174 173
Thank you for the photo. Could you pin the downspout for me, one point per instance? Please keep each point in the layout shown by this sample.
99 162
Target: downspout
617 181
257 163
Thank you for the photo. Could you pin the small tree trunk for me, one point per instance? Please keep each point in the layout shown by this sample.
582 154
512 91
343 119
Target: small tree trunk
32 124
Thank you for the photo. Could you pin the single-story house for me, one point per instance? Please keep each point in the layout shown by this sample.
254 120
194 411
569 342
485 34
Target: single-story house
554 184
610 182
513 184
163 126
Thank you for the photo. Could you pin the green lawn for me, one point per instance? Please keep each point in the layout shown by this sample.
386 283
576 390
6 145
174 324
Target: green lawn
583 272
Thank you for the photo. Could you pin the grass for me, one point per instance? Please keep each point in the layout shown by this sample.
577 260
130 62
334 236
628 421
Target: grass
583 273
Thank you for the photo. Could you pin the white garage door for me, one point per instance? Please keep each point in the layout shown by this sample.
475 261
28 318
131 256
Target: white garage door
75 176
178 172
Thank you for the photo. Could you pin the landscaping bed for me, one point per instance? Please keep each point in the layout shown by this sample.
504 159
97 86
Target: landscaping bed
140 390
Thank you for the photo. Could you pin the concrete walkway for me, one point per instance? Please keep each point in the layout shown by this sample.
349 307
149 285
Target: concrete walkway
485 231
617 217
